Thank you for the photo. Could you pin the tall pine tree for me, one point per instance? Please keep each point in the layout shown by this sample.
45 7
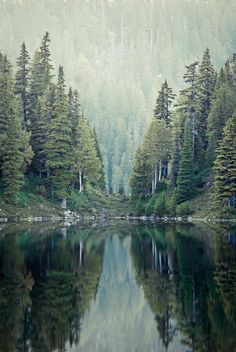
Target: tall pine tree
22 82
185 184
225 167
59 144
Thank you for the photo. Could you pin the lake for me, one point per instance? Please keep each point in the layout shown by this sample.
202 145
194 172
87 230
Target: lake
117 288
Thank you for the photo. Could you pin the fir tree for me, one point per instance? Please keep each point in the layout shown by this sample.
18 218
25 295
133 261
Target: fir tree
87 166
39 137
163 103
185 184
206 83
140 179
223 106
189 99
15 151
225 167
102 180
16 155
36 85
45 57
59 144
22 81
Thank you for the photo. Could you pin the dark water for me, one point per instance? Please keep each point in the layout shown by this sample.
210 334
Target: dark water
119 288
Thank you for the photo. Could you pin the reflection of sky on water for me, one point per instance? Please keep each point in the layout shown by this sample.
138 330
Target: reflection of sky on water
120 320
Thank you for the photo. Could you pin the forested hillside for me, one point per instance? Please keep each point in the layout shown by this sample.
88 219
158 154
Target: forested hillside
190 145
45 140
117 54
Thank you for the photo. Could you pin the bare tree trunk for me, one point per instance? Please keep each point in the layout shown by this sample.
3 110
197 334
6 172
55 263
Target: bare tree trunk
80 182
155 177
160 170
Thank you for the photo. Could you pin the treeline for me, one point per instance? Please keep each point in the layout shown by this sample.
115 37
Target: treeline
43 133
191 143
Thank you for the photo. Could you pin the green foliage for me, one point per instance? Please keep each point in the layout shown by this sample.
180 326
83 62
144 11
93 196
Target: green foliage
150 206
225 167
59 157
160 204
185 185
183 209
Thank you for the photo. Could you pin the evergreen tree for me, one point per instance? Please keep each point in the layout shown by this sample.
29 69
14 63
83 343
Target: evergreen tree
206 83
163 103
39 140
175 159
102 180
189 99
223 106
16 155
45 57
59 158
36 85
140 178
185 184
87 165
225 167
22 81
6 83
14 142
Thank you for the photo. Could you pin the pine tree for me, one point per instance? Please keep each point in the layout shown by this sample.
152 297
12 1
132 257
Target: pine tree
22 81
39 140
6 83
185 184
16 155
36 85
87 166
102 180
206 83
163 103
45 57
223 106
225 167
15 151
59 144
140 179
189 99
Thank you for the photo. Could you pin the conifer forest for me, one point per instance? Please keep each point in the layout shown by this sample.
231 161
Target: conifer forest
117 175
133 98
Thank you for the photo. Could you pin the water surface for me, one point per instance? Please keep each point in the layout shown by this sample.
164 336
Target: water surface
118 288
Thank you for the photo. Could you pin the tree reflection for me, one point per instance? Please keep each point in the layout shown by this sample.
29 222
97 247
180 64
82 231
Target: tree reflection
189 280
47 284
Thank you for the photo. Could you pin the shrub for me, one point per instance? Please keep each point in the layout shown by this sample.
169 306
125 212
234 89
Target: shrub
160 205
183 209
150 208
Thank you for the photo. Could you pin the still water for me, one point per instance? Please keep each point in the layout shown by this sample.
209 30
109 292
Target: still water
118 288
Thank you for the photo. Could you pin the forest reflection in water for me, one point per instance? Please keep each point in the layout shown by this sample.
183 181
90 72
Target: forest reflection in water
118 288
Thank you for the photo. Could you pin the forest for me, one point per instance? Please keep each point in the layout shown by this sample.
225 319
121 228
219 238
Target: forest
190 145
101 124
44 136
117 54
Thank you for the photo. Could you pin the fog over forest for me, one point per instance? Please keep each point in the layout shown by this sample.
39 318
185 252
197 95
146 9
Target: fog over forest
117 54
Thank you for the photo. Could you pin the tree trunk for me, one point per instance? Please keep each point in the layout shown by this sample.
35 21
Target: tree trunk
63 203
160 169
80 182
155 177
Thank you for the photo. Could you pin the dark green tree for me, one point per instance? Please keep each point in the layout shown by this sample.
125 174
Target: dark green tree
22 81
185 184
223 106
225 167
59 157
102 180
163 103
206 81
46 64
